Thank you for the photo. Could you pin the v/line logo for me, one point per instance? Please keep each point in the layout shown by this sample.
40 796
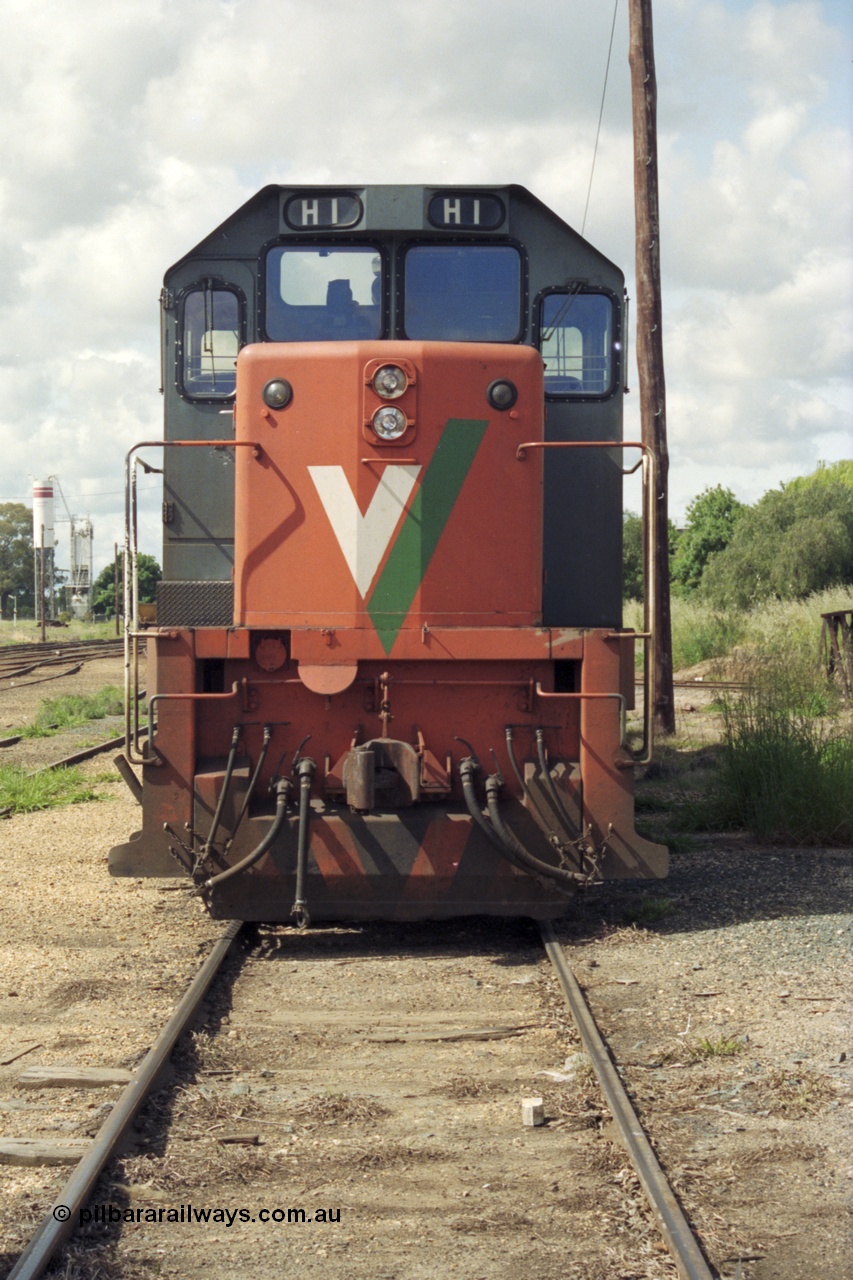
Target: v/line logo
364 539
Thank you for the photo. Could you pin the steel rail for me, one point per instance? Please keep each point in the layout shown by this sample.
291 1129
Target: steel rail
711 686
59 1223
79 756
15 674
53 651
690 1262
27 684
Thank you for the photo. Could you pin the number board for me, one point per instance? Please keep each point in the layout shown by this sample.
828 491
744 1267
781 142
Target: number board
459 211
323 212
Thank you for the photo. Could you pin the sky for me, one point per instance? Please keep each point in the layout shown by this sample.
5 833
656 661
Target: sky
133 127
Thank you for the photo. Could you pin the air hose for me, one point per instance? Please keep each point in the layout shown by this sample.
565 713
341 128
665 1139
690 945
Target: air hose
226 785
282 794
558 875
299 910
468 769
250 790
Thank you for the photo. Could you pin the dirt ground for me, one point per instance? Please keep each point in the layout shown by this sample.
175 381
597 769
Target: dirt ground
724 992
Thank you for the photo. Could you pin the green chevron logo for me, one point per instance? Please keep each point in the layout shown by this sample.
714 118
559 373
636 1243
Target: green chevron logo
363 539
419 535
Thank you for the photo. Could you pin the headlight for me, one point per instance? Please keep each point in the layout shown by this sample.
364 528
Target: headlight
390 381
277 394
389 423
501 394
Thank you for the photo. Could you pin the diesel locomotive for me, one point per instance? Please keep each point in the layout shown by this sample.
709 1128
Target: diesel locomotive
388 676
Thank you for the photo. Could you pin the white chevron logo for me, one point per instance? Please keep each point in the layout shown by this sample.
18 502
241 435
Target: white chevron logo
363 539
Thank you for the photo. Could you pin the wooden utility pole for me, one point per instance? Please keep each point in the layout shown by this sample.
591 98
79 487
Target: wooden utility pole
641 57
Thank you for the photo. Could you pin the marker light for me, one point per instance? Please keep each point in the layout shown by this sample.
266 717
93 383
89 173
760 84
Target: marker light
501 394
277 394
389 423
390 381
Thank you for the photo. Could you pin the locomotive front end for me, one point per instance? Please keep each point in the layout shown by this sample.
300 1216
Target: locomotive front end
412 702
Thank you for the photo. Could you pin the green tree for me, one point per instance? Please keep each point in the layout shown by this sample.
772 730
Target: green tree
633 579
103 591
795 540
827 473
632 556
711 521
16 555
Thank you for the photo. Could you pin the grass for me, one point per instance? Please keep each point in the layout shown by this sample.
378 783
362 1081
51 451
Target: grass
73 710
784 768
698 632
701 633
207 1052
83 1260
338 1108
703 1047
649 911
781 774
106 775
21 792
26 631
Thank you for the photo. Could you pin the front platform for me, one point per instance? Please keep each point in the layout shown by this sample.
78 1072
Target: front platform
423 864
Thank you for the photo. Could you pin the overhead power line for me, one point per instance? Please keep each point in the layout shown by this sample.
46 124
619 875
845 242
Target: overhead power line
600 115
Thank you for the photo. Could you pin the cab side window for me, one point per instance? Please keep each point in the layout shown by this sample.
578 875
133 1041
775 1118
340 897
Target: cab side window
211 329
576 341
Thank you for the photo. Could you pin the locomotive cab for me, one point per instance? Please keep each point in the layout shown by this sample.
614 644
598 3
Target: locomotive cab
389 676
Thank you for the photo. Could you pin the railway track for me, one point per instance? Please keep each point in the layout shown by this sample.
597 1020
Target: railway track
65 1214
20 660
39 663
111 743
319 1075
17 661
399 1101
700 683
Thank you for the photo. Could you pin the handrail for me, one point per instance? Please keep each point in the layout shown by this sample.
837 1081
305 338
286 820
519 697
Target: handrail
650 517
619 697
239 689
131 579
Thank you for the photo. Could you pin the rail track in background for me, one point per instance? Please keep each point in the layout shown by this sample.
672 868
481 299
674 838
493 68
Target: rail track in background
20 660
88 753
700 683
362 1028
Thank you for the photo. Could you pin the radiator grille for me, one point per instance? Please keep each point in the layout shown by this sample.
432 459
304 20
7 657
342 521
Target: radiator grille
195 604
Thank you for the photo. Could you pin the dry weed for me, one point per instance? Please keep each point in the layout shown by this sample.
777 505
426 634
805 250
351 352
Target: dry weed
338 1108
460 1088
794 1093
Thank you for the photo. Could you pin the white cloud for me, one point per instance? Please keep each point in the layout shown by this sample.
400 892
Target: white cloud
134 127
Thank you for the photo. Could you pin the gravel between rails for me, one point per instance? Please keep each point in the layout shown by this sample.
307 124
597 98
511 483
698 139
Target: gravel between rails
754 946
